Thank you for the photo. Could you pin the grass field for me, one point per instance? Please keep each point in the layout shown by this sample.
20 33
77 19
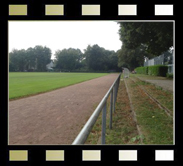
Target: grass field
26 84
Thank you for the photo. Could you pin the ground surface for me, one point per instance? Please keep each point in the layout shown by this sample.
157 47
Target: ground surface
160 81
55 117
166 84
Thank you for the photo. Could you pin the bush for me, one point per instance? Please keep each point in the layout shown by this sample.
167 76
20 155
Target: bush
169 75
142 70
158 70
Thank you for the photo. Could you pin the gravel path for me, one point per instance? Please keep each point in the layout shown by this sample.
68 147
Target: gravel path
55 117
164 83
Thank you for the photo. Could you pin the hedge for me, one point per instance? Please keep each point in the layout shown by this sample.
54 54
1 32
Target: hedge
157 70
142 70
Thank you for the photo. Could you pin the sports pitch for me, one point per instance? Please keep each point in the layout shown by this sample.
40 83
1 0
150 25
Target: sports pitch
23 84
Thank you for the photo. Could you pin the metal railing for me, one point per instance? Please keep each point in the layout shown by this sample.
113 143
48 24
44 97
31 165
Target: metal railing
84 133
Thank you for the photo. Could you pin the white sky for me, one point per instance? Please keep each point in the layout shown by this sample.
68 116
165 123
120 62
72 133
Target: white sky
64 34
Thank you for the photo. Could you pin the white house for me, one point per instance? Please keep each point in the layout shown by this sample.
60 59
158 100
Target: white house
50 65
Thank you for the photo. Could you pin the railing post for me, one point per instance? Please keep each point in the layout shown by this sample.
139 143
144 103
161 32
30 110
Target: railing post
119 81
111 107
114 98
104 112
116 86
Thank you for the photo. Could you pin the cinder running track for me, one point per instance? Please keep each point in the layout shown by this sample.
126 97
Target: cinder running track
56 117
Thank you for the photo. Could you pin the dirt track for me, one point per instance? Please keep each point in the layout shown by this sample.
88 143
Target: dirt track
55 117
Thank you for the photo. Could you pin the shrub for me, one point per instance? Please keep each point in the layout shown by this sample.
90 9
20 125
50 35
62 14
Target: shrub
158 70
142 70
169 75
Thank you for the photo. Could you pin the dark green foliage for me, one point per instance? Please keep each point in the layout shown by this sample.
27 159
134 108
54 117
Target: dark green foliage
95 59
142 70
156 36
17 60
158 70
68 59
143 39
42 57
99 59
32 59
132 58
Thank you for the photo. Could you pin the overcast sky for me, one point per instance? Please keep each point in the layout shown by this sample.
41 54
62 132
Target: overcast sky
63 34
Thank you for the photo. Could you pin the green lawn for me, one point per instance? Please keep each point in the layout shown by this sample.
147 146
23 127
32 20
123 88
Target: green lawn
27 83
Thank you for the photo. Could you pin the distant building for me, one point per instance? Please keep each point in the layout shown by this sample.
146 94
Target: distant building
50 66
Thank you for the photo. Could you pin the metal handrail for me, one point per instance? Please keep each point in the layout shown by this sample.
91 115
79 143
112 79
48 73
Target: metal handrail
84 133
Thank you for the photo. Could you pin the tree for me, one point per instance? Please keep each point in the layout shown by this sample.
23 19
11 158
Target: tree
42 57
17 60
112 63
96 58
31 59
68 59
156 36
132 58
100 59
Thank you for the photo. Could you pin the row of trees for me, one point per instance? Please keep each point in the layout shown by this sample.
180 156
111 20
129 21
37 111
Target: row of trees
94 58
32 59
143 39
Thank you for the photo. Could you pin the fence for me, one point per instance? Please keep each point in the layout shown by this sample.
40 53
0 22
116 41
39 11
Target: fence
170 68
165 59
159 60
84 133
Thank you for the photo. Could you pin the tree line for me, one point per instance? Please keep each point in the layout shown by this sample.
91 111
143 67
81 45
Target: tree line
32 59
94 59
